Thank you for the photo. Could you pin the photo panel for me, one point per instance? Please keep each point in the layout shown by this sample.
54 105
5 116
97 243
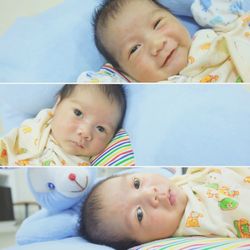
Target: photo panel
54 41
163 125
205 203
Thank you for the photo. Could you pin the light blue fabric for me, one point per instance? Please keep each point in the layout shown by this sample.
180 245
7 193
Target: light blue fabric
214 14
74 243
246 5
189 124
178 7
47 225
57 45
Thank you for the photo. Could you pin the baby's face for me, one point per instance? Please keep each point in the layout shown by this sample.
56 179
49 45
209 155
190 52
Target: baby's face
142 206
85 122
148 42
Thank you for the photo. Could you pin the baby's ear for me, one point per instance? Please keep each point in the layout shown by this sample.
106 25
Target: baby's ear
57 102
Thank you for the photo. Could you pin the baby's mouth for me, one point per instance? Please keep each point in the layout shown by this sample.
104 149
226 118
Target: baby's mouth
171 197
77 144
168 58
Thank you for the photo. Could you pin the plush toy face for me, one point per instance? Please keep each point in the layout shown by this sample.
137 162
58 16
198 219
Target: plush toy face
70 182
59 188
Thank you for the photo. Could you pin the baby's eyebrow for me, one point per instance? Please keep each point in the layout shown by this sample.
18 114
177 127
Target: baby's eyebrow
77 102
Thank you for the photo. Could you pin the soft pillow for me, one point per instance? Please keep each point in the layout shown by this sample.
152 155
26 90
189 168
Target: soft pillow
189 125
179 7
75 243
57 45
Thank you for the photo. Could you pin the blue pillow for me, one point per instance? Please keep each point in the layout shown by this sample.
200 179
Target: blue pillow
75 243
246 5
179 7
57 45
189 125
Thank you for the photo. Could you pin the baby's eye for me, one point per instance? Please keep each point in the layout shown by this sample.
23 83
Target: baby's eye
139 214
156 23
133 50
77 112
100 129
137 183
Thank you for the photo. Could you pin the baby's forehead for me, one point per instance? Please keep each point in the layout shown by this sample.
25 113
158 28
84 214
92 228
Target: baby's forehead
112 186
88 89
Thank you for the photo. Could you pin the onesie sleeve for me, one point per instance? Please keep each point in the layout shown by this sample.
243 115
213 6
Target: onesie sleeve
107 73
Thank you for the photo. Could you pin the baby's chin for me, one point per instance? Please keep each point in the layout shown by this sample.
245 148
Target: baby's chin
172 70
73 151
177 66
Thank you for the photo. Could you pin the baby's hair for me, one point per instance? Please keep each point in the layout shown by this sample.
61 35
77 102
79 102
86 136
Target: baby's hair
91 226
106 11
114 92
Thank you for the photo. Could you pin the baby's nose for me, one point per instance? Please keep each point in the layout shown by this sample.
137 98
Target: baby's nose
157 45
152 196
85 132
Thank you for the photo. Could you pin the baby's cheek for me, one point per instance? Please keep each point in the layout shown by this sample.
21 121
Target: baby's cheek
102 142
72 125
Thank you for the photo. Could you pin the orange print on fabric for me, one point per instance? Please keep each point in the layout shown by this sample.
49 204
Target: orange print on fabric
193 219
209 78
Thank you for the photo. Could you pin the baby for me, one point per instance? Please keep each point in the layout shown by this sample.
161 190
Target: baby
127 210
145 42
81 124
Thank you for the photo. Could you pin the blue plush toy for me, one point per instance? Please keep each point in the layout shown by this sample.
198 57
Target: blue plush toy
60 192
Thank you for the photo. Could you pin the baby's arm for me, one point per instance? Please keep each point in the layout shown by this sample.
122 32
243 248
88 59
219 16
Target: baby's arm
216 13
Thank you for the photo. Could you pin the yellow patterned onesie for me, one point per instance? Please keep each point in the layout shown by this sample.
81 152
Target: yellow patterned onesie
219 55
32 144
218 202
